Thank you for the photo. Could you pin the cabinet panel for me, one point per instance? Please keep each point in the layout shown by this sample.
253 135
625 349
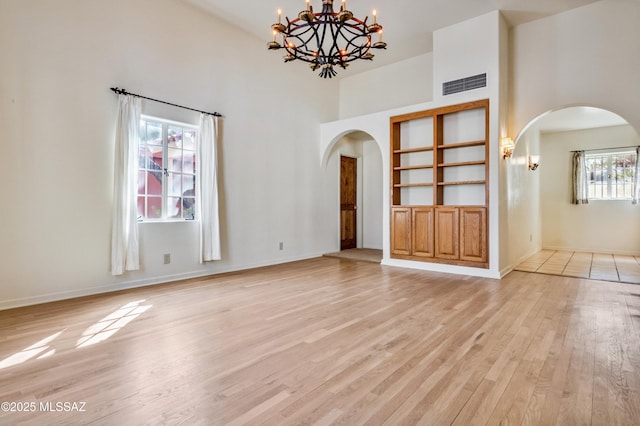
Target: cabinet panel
422 231
473 234
401 230
446 232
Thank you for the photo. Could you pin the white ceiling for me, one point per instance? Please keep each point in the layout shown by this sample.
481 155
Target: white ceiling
408 24
577 118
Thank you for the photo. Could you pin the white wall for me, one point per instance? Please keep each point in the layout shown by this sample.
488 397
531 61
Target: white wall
522 196
585 56
503 114
372 189
395 85
600 226
57 117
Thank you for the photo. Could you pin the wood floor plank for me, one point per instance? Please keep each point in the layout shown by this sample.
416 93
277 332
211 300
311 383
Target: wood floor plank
326 341
577 392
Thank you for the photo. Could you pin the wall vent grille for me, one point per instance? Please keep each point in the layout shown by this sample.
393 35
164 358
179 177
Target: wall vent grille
464 84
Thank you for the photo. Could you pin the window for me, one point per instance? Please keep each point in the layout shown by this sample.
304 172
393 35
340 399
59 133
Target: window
166 170
610 176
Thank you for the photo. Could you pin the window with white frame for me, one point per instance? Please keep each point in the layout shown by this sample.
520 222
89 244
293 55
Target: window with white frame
166 170
610 176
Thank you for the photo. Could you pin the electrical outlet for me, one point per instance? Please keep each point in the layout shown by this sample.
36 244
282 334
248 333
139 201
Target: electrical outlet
167 258
281 245
530 237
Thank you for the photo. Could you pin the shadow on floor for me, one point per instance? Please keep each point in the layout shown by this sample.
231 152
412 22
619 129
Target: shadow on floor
358 254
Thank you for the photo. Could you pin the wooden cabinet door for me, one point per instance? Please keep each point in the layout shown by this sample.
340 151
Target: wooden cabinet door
422 231
401 230
473 234
447 226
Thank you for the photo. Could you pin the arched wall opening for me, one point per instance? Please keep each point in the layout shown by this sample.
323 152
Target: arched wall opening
366 150
540 213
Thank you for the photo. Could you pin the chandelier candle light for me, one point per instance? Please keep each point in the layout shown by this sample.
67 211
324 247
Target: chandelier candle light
326 39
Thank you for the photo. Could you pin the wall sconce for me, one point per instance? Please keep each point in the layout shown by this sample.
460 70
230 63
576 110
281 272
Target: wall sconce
507 147
534 162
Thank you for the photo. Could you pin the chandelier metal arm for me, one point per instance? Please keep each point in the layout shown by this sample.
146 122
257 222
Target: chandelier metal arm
353 51
326 39
320 36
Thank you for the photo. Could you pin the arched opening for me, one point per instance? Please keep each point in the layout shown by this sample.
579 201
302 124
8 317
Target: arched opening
363 151
542 218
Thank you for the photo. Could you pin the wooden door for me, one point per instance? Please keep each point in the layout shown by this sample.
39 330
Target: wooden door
473 234
446 230
348 202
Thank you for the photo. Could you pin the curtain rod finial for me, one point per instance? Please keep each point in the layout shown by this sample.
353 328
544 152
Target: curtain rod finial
119 91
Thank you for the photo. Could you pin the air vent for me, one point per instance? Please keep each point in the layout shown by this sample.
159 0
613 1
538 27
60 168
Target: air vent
464 84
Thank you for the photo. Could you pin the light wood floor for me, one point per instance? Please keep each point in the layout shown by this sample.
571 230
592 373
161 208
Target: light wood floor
595 266
328 341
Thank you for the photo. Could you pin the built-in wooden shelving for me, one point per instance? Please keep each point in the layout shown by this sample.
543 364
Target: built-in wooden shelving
409 185
449 223
463 163
463 182
411 150
421 166
461 144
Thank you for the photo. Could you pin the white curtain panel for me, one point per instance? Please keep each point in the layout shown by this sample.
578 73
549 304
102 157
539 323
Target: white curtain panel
207 188
636 182
124 233
579 177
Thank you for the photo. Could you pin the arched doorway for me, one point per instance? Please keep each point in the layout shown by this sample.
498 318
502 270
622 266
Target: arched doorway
542 218
360 218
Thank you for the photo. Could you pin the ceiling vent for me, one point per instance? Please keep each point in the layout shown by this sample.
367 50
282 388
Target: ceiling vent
464 84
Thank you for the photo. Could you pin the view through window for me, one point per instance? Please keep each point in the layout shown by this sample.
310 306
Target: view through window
166 170
610 176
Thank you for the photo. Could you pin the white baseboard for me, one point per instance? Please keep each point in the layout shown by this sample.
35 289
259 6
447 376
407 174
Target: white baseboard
506 270
441 267
127 285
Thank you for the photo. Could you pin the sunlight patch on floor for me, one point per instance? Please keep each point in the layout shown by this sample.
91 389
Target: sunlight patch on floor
30 352
109 325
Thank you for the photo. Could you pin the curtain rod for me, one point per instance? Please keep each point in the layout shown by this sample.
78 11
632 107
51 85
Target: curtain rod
124 92
606 149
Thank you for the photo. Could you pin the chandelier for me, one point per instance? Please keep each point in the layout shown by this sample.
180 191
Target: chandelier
327 39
